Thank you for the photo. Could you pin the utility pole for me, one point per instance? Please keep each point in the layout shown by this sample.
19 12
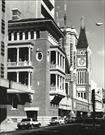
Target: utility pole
93 105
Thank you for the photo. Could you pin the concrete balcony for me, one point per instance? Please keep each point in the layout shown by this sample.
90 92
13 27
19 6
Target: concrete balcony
19 88
55 66
20 64
4 83
57 91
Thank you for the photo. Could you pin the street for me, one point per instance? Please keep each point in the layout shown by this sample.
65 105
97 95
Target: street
69 129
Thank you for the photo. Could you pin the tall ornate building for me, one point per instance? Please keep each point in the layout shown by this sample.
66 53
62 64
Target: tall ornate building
82 72
71 37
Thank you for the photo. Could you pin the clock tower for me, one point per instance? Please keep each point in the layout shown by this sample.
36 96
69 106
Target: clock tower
82 65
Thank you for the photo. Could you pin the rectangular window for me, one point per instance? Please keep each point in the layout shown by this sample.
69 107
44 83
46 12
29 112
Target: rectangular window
15 36
3 5
9 36
2 70
78 94
2 48
2 26
32 35
38 34
81 95
20 36
26 35
84 95
66 88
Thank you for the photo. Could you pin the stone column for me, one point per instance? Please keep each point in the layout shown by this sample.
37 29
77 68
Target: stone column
29 79
29 54
29 35
17 56
17 76
56 58
23 35
34 34
17 35
56 81
12 36
64 63
59 59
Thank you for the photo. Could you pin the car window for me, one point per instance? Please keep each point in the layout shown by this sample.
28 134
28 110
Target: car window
54 118
23 120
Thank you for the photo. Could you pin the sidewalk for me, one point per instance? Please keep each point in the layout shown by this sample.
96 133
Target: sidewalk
4 127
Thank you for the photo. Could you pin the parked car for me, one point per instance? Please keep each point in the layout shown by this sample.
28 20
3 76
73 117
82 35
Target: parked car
70 120
57 120
28 123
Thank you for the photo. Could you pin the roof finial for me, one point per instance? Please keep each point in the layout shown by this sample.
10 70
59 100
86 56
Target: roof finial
82 22
65 12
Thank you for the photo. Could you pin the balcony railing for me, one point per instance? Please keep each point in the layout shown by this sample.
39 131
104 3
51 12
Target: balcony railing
55 90
19 88
4 83
55 66
20 63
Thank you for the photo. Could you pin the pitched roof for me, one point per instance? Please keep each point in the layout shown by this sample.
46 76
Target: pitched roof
82 41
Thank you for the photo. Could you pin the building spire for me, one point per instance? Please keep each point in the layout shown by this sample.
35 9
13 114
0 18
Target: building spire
82 22
65 13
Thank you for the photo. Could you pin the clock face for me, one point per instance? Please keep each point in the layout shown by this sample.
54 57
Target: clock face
82 61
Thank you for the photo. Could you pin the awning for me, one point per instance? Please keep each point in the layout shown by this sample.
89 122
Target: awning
65 104
56 99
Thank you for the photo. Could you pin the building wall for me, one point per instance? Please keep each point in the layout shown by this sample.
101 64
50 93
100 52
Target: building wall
41 77
3 51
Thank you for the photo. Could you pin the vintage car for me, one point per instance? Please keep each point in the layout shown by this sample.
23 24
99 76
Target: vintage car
57 120
28 123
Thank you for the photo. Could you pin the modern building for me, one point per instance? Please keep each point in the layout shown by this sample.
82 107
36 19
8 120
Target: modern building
4 84
45 8
33 8
82 85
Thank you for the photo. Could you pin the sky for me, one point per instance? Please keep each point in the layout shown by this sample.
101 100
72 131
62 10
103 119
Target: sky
93 12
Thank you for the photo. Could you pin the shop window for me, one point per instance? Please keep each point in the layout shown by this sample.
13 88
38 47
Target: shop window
14 102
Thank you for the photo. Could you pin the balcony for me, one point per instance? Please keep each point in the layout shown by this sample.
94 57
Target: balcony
20 64
19 88
55 66
57 91
4 83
